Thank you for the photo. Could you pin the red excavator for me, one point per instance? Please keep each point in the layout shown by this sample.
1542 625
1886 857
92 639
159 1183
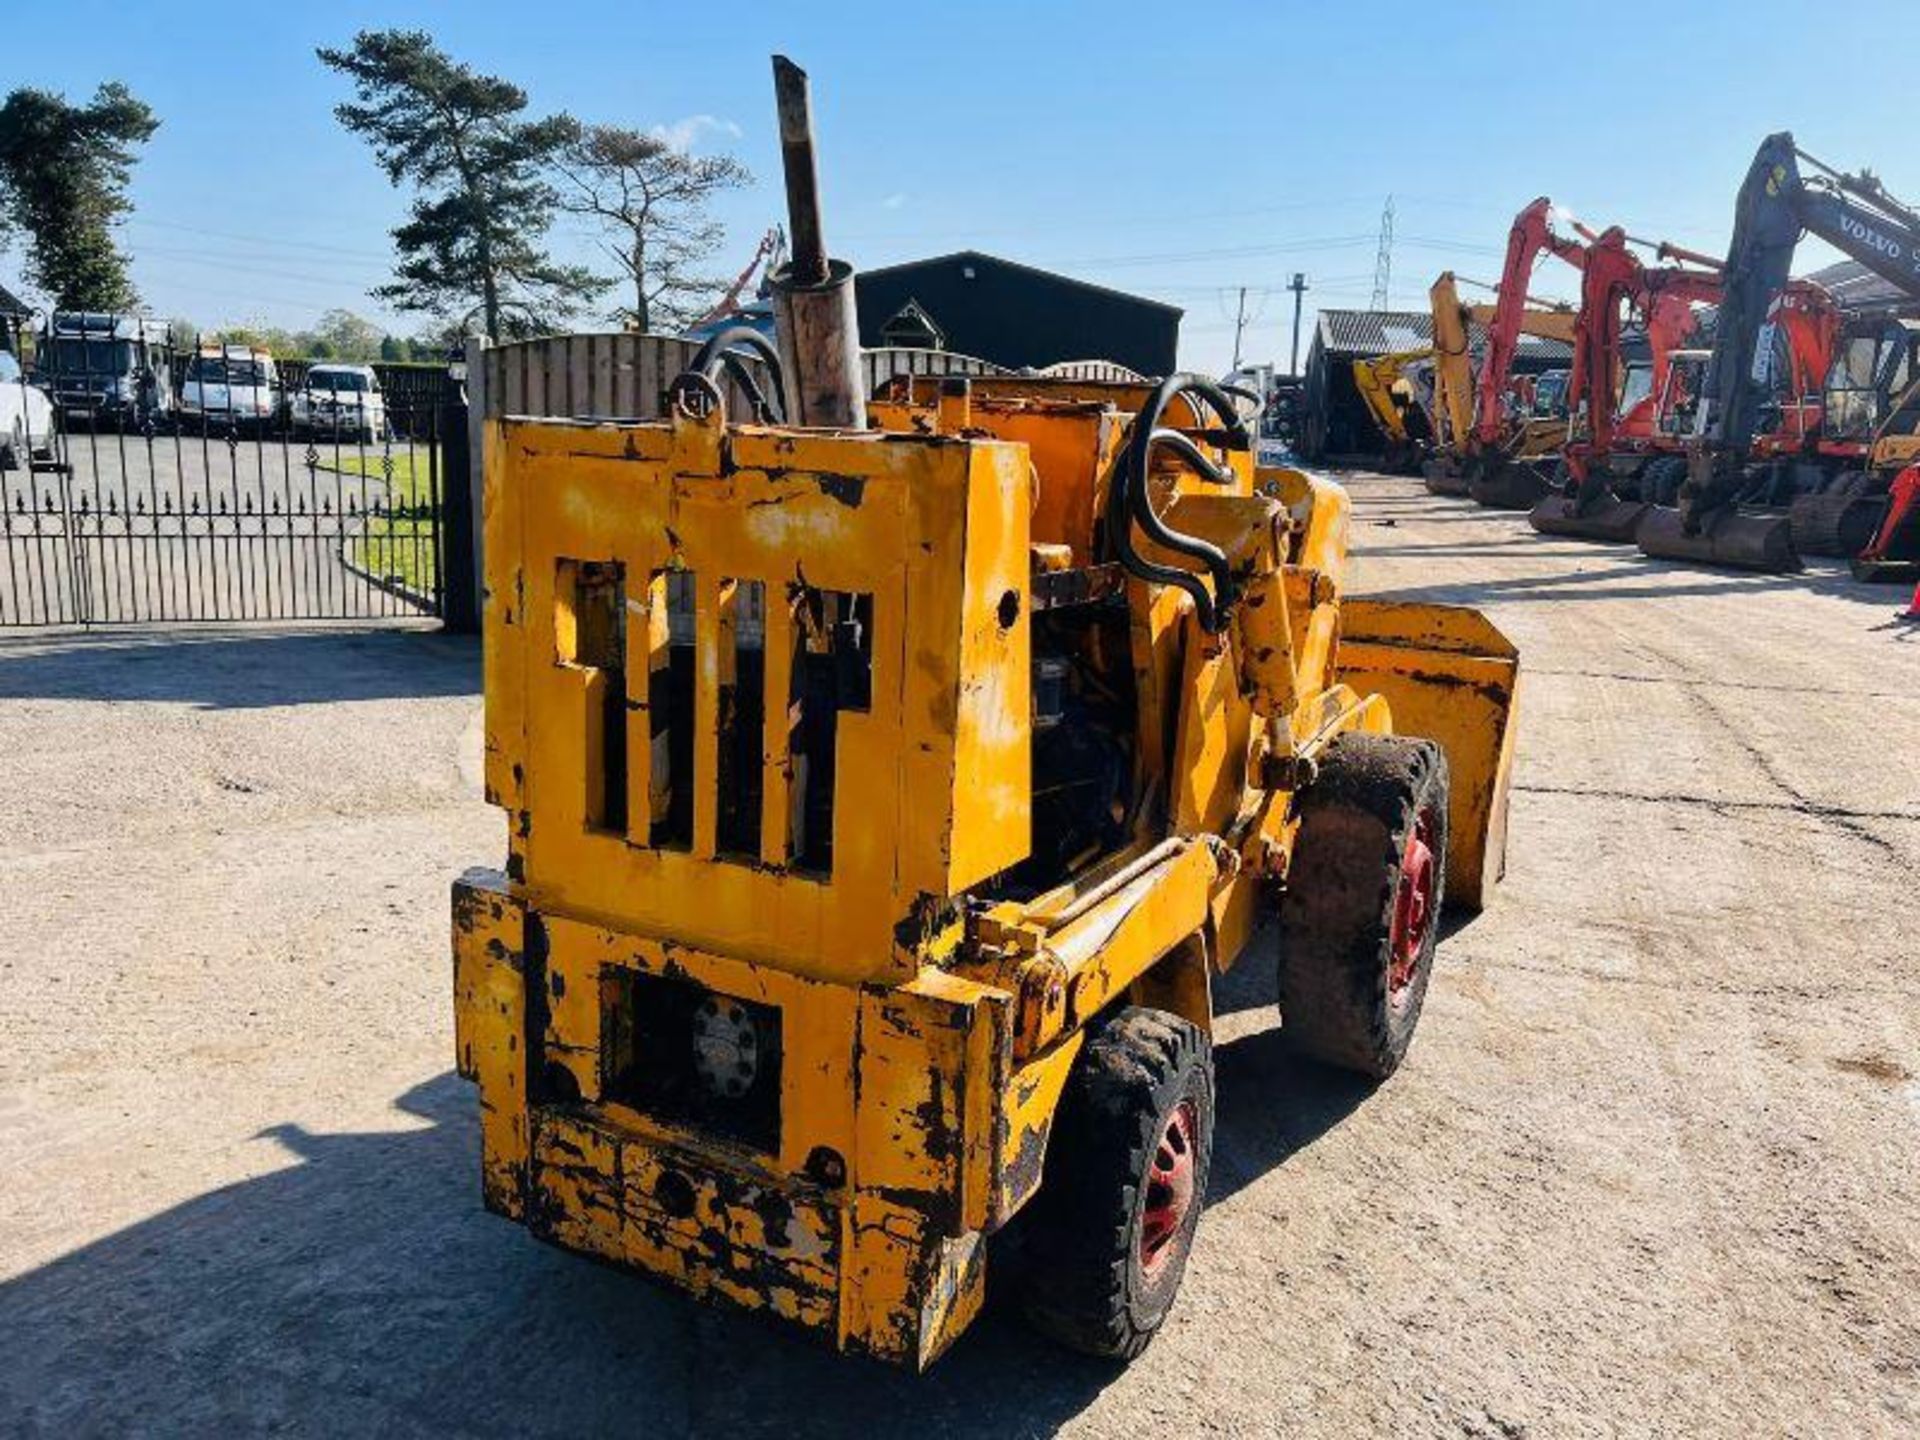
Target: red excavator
1657 395
1483 462
1660 401
1777 203
1591 507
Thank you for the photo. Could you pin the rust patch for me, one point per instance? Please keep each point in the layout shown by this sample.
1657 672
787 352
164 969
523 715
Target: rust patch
849 490
1022 1176
926 915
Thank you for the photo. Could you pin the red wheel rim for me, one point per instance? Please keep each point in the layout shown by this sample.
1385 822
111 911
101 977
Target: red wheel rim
1413 909
1169 1190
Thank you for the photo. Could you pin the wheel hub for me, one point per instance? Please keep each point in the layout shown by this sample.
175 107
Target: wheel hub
1170 1185
1413 909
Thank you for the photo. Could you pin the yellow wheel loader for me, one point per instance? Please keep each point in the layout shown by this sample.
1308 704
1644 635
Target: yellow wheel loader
886 791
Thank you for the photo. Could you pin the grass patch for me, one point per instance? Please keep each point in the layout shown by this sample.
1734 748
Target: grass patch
398 543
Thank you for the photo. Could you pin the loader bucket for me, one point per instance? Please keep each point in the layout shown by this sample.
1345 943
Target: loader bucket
1508 485
1841 525
1610 521
1743 542
1448 675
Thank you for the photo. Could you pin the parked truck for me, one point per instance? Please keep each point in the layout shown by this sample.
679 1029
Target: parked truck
114 370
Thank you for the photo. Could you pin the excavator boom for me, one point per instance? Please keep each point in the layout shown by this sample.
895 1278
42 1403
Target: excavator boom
1590 511
1775 206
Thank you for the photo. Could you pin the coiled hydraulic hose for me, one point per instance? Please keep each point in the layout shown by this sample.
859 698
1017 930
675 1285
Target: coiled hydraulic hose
723 351
1128 501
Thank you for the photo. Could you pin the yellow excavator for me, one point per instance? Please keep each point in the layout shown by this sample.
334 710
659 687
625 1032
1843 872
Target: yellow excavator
888 782
1398 390
1487 450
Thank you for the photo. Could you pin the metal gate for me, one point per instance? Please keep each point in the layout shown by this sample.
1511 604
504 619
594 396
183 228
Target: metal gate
136 489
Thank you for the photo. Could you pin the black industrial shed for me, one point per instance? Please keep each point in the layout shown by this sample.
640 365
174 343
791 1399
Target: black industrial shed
1337 424
1013 314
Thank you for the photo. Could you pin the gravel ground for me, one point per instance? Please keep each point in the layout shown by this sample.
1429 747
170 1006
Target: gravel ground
1651 1168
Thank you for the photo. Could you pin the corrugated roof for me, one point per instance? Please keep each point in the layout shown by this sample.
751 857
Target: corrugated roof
1350 334
12 304
1858 288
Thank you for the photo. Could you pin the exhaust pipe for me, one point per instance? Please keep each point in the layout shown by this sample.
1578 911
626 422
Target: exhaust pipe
813 300
1726 537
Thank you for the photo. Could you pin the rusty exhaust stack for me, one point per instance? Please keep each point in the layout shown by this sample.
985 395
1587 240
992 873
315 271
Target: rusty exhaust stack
813 303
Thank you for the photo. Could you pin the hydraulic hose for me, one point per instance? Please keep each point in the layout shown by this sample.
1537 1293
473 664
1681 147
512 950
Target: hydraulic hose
722 351
1128 501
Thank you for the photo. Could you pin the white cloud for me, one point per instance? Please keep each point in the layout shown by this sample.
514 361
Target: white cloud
894 201
682 133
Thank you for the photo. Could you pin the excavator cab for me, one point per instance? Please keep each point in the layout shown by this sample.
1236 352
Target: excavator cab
1872 368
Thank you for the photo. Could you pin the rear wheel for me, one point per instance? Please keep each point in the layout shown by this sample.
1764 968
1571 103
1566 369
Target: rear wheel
14 454
1105 1242
1360 916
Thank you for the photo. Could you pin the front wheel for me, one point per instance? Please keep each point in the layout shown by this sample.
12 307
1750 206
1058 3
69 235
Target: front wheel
1360 916
1106 1240
14 454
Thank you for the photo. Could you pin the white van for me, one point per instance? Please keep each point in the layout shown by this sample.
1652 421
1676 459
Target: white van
231 387
341 402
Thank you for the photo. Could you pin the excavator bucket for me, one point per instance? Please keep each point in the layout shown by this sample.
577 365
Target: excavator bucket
1508 485
1443 477
1726 537
1450 676
1609 521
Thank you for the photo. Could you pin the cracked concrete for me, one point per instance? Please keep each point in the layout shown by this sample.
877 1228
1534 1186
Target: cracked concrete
1650 1168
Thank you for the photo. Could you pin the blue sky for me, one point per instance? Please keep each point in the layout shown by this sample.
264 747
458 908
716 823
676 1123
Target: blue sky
1178 151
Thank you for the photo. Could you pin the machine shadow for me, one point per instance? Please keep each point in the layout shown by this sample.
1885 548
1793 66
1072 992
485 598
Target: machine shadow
1270 1104
235 667
362 1289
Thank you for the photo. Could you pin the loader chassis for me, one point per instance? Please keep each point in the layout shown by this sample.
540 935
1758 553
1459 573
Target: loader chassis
864 794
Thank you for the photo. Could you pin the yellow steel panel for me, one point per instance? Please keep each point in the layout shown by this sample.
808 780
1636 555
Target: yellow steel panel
502 624
776 766
908 1290
930 1065
991 782
1117 941
710 633
1211 745
489 1007
840 513
576 1185
646 647
817 1024
1448 675
1031 1098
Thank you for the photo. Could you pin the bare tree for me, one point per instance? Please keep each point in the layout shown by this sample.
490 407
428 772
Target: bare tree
651 198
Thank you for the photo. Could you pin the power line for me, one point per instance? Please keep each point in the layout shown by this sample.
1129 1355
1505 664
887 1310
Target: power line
277 242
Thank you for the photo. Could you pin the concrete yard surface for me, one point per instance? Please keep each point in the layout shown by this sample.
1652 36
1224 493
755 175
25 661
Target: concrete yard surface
1653 1166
